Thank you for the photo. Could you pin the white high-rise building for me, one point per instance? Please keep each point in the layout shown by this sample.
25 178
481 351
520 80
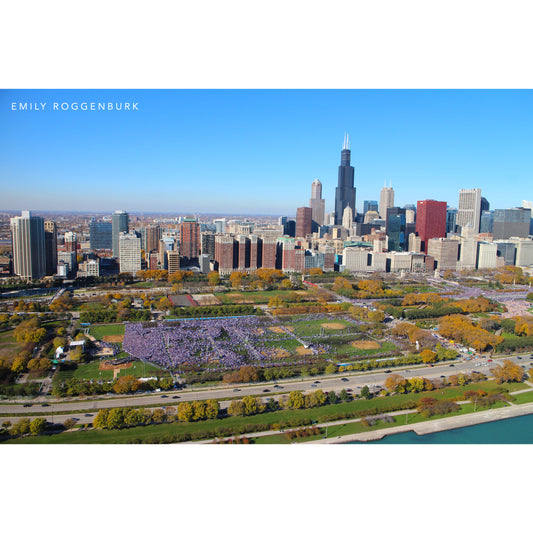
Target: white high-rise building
469 211
316 203
29 255
386 200
347 218
220 225
129 252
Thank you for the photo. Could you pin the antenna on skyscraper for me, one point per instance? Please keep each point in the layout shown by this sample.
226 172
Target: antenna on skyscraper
346 143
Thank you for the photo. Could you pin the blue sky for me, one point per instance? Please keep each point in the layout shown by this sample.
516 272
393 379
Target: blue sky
257 151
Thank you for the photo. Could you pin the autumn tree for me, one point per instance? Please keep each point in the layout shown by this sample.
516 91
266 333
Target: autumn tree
126 384
212 407
236 408
296 400
37 426
100 420
213 278
507 372
396 383
428 356
236 279
250 405
185 411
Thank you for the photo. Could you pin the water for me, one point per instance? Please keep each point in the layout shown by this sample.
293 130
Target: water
518 430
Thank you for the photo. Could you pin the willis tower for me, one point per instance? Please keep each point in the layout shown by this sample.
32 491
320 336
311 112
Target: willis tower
345 191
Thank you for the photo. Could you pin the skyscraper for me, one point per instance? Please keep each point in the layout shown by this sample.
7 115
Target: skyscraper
120 223
370 205
347 218
130 252
511 222
190 243
345 191
469 212
386 200
303 221
29 255
100 235
71 241
316 203
50 237
430 221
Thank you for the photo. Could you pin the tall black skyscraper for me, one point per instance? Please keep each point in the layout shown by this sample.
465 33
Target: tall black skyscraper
345 191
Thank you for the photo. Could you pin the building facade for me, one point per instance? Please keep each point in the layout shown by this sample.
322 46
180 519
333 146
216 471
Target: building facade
29 250
119 224
345 191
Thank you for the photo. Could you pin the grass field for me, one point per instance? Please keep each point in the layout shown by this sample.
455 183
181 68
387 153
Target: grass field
100 331
263 297
315 327
348 349
527 397
8 345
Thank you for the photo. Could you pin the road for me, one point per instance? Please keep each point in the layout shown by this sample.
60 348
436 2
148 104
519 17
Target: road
336 382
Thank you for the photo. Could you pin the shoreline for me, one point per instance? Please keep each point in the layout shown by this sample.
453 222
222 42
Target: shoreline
434 426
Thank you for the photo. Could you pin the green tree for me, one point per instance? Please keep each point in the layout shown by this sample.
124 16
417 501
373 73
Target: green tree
199 410
135 417
159 416
332 397
250 405
320 397
185 411
37 426
115 418
20 427
212 408
365 392
236 408
296 400
344 396
69 423
331 369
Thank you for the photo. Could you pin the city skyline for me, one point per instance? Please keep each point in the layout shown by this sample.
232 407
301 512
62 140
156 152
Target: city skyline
232 151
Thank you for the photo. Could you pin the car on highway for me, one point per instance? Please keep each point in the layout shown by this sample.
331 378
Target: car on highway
88 414
443 376
278 387
317 381
236 390
45 405
452 365
175 397
387 371
518 357
266 390
26 405
313 384
348 390
345 379
164 396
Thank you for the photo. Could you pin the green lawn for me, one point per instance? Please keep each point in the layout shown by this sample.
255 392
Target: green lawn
315 327
8 345
100 331
523 398
262 297
348 349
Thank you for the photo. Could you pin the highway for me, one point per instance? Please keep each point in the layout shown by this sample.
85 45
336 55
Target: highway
337 382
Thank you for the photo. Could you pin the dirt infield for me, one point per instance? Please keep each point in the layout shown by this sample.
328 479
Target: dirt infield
113 338
105 365
303 351
282 353
333 325
277 329
365 345
206 299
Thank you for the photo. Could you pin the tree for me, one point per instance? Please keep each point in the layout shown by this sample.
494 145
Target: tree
376 316
100 420
296 400
37 426
507 372
135 417
396 383
19 365
185 411
126 384
236 408
198 408
330 369
213 278
159 415
365 392
332 397
320 397
286 284
115 418
69 423
59 342
428 356
236 279
250 405
164 304
20 427
344 396
275 301
211 409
